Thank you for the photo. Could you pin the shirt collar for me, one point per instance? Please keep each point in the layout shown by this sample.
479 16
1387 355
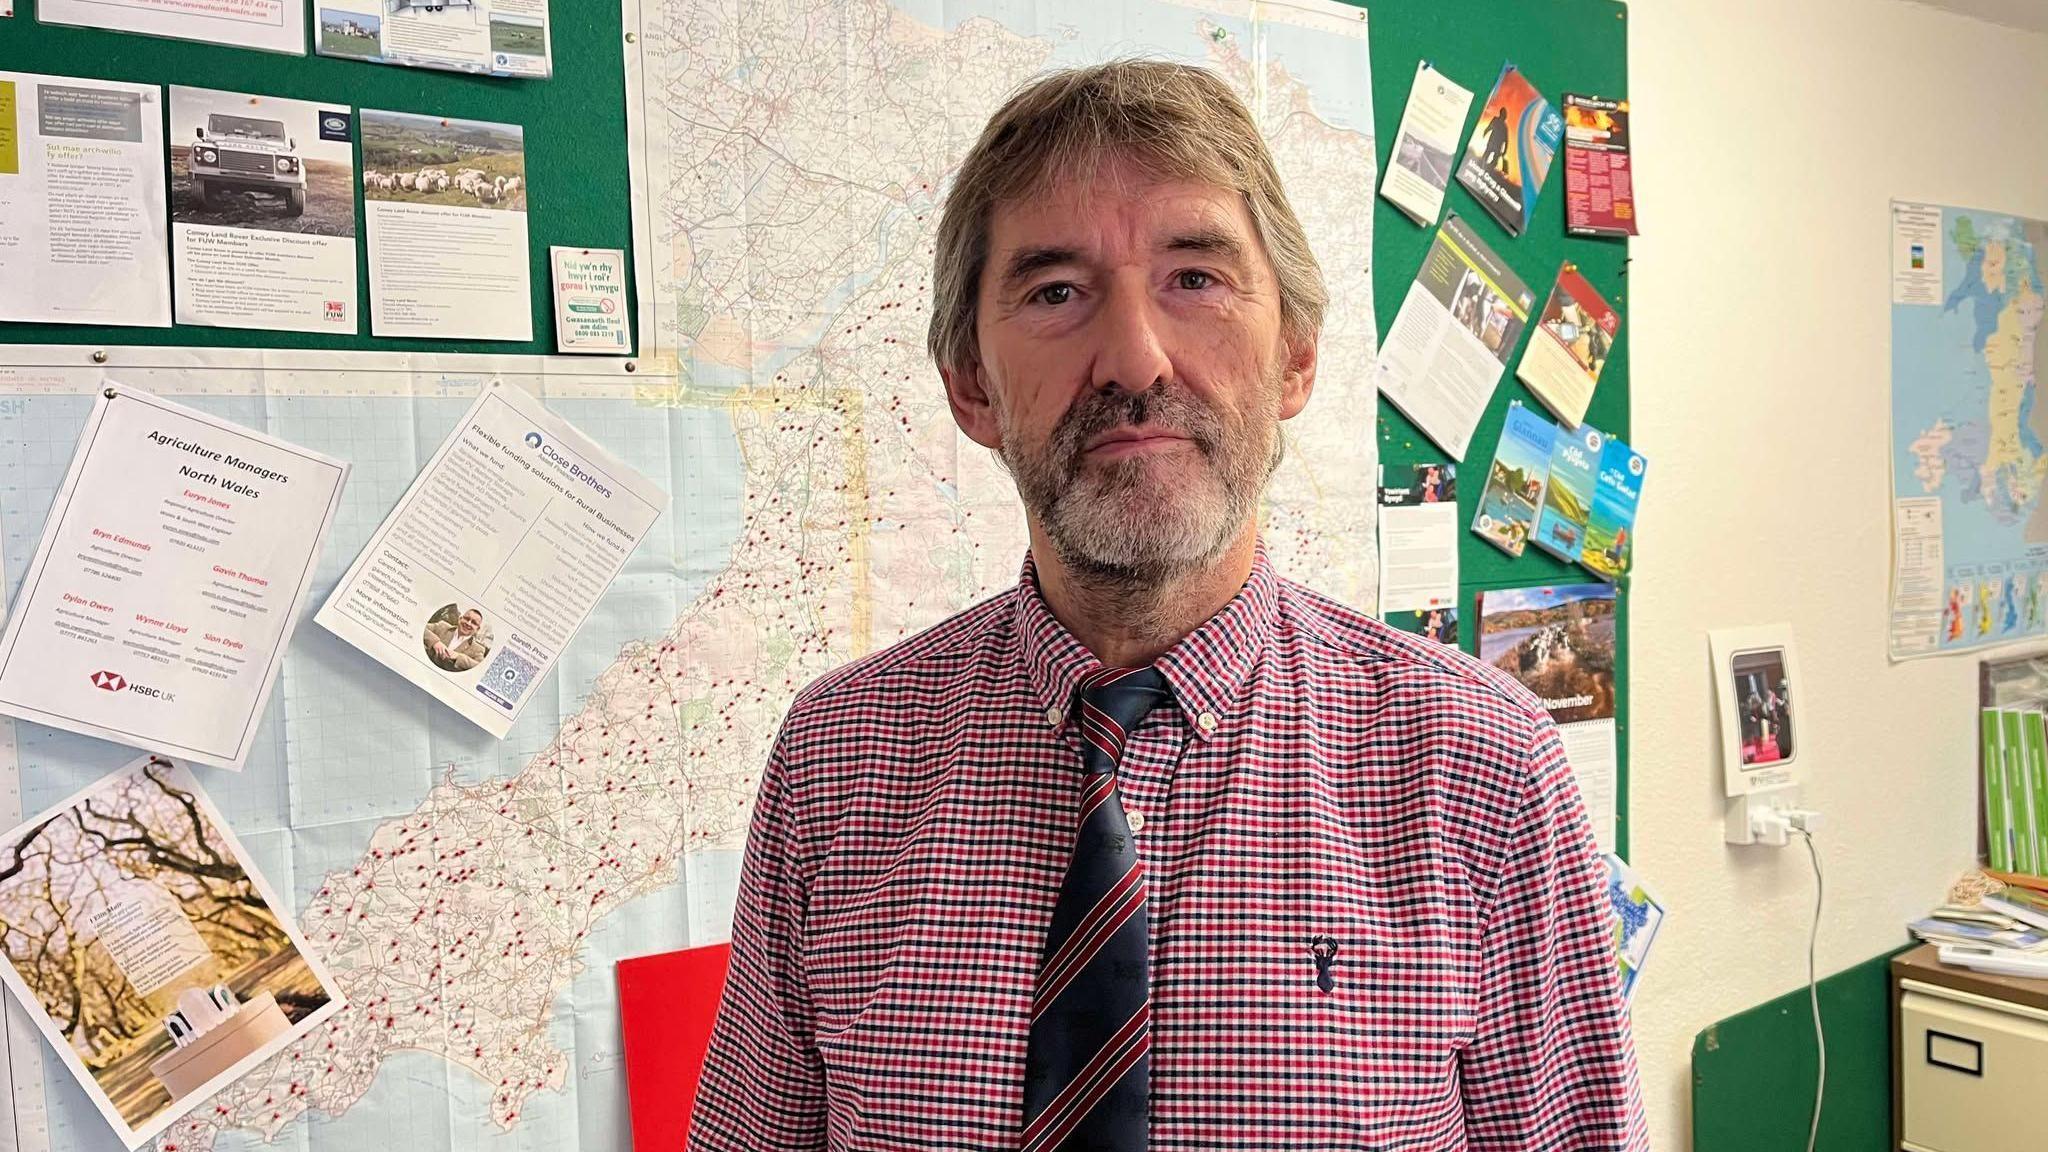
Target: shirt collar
1205 669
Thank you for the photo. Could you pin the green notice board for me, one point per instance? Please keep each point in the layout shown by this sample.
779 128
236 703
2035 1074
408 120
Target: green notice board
1561 46
578 192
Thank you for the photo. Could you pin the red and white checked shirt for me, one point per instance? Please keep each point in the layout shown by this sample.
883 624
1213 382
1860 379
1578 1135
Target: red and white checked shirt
1320 774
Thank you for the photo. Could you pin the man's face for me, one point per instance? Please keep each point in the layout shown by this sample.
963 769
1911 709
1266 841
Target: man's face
469 623
1132 369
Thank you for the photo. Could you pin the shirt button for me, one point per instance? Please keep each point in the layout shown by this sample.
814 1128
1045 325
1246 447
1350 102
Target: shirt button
1206 721
1053 716
1137 819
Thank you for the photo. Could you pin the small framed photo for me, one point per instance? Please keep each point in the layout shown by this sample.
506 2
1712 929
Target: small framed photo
1756 678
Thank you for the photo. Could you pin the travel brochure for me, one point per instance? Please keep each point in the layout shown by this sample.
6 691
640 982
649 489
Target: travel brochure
1515 482
1572 493
1419 541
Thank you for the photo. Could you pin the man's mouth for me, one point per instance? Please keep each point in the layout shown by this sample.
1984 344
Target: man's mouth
1123 443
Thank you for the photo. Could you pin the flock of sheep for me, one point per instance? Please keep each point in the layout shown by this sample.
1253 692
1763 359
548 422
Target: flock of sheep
486 189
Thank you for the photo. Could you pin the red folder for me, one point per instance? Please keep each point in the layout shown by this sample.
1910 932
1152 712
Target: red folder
667 1003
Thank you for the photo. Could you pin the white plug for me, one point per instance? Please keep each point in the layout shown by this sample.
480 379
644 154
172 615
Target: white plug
1804 819
1768 825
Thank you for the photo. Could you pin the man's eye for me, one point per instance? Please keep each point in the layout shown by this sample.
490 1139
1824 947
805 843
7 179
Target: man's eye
1055 294
1194 281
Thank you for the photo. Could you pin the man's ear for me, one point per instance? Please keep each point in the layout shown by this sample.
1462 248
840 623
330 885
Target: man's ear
1298 374
973 409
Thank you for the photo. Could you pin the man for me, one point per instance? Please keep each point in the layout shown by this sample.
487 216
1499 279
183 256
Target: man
457 647
1158 850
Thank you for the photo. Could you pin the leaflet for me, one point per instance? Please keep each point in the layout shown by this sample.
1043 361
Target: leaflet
1454 333
1599 190
1419 541
269 25
444 202
590 301
263 212
82 202
1568 495
149 951
1558 641
169 579
494 37
1423 148
1514 484
1610 529
1574 335
1511 149
476 582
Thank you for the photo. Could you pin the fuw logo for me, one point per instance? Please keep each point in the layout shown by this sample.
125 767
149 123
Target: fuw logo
111 681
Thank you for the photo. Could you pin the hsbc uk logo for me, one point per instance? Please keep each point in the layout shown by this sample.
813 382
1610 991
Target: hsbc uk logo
115 682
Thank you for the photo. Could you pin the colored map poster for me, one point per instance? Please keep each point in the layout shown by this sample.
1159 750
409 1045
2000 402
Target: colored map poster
1969 526
472 896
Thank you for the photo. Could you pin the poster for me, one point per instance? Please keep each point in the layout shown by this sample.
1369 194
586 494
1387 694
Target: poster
445 208
148 950
1558 641
1969 441
263 212
269 25
82 202
168 581
495 37
497 554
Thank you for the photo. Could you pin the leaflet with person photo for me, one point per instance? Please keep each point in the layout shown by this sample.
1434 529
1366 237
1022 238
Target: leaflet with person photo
475 584
263 212
1418 540
493 37
1456 329
148 949
1558 641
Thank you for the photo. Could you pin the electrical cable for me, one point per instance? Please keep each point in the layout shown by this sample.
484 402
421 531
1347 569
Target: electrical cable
1820 1042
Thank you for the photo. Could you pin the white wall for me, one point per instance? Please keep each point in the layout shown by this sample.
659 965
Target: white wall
1771 136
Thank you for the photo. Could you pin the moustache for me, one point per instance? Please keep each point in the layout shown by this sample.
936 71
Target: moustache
1158 406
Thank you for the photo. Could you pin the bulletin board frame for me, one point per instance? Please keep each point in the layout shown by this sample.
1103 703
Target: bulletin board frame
578 114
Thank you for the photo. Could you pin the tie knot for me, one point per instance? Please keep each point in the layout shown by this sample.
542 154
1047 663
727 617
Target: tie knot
1113 701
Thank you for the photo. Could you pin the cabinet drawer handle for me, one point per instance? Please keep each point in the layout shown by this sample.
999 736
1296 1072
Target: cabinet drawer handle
1953 1059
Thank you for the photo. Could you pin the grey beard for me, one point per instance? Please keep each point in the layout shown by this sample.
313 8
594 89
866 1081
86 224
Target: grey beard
1109 545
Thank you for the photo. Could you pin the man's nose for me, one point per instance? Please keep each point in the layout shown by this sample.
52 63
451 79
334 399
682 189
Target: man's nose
1129 352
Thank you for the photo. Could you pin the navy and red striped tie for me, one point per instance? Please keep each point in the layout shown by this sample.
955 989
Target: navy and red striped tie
1088 1070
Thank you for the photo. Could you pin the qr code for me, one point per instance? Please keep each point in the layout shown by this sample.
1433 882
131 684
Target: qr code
508 677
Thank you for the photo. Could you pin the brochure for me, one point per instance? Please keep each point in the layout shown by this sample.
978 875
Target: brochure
1511 148
149 951
1419 539
494 37
1610 530
1456 329
263 212
1574 335
1568 496
1515 482
1420 168
476 582
1599 192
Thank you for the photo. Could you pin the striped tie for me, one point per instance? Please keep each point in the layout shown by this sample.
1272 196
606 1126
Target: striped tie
1088 1071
